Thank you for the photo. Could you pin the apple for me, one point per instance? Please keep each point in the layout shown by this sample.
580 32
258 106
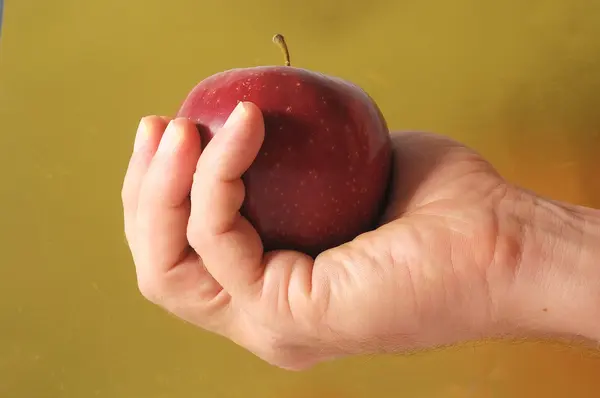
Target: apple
321 176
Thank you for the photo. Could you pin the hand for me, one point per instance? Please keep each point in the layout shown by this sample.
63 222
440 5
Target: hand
428 276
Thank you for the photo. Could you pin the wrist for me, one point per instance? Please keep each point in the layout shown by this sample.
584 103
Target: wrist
553 283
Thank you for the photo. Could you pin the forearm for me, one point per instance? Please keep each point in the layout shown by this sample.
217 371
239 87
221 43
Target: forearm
555 288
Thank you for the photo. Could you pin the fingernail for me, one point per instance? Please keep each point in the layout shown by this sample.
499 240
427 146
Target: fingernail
171 138
141 135
237 115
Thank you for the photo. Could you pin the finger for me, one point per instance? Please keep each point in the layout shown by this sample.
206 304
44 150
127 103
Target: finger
147 138
163 209
228 244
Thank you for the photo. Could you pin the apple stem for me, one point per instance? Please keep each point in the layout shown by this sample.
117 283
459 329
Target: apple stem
280 41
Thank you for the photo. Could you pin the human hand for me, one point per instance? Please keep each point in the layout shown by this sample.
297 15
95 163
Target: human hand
432 274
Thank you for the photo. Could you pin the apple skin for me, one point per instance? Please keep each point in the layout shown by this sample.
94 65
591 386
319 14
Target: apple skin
321 176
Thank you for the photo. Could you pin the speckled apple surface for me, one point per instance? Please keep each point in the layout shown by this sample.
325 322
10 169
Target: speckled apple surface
321 176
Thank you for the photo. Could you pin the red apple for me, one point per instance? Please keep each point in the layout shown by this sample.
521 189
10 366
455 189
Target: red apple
321 176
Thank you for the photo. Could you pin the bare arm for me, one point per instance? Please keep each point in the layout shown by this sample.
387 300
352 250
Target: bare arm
555 289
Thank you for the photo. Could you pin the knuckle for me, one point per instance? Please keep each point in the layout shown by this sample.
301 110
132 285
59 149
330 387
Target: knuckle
125 193
196 232
151 289
192 232
131 180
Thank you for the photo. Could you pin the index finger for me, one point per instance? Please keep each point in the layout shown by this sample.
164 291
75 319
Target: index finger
229 245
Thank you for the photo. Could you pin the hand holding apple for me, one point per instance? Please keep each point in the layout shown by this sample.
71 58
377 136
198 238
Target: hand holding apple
420 280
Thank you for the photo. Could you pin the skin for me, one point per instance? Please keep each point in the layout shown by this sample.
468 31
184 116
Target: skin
461 254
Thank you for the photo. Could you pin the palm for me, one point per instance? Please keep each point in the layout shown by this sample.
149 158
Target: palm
442 204
442 201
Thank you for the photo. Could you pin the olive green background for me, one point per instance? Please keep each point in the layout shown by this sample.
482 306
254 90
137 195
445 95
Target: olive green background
517 80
